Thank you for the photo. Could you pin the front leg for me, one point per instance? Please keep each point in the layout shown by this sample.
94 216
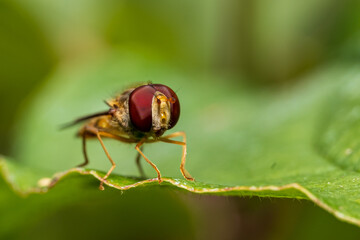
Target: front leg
167 139
138 163
137 147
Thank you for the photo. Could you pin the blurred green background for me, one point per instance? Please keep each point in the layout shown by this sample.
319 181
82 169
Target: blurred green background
257 44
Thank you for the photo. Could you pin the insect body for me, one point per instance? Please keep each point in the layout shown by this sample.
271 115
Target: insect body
138 115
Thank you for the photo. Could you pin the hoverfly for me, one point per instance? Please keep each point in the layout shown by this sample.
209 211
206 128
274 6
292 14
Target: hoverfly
138 115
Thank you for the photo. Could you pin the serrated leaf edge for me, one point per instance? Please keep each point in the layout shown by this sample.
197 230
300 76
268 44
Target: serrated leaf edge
4 172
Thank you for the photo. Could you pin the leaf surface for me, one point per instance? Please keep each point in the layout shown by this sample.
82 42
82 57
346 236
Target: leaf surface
298 142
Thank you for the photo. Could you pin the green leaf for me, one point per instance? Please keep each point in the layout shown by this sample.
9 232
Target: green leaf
76 209
241 141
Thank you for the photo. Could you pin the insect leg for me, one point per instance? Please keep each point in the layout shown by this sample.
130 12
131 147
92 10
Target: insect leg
101 187
98 135
137 147
138 163
84 151
167 139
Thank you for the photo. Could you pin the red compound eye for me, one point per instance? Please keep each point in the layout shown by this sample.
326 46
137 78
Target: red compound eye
140 106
